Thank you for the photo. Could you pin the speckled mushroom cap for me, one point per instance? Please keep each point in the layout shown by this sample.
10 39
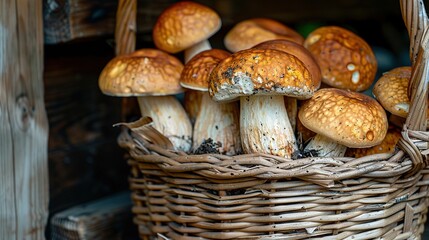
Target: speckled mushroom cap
184 24
195 74
248 33
391 91
260 71
349 118
298 51
345 59
144 72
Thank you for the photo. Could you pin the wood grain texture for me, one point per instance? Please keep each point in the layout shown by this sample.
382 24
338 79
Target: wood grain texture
67 20
24 129
97 220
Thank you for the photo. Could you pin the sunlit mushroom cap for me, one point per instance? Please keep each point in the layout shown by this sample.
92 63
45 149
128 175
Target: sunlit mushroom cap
184 24
349 118
144 72
263 72
345 59
248 33
391 91
196 73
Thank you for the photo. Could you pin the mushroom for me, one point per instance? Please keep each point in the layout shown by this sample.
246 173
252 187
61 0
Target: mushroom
185 26
342 119
153 76
260 78
302 54
386 146
248 33
192 103
391 90
216 121
345 59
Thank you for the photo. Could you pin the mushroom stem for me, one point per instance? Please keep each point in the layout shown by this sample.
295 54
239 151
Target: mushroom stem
192 102
325 147
196 48
265 127
220 122
292 110
169 118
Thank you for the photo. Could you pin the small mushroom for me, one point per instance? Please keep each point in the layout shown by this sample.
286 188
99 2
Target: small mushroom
342 119
261 78
185 26
216 121
345 59
248 33
386 146
153 77
391 91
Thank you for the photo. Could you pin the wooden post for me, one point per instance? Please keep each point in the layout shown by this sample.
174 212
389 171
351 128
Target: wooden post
23 123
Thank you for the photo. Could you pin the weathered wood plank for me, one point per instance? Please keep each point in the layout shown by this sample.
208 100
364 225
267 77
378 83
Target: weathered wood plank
100 219
24 129
66 20
7 73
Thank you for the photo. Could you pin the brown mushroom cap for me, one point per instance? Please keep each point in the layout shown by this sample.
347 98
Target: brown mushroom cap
345 59
391 91
248 33
184 24
349 118
298 51
262 72
144 72
195 74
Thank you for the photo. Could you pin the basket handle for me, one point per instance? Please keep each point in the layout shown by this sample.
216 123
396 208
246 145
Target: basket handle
125 39
417 23
126 27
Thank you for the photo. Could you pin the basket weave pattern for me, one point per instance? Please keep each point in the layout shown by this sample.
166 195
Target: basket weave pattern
261 196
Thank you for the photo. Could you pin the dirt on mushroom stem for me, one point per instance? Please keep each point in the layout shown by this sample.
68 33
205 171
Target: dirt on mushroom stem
208 146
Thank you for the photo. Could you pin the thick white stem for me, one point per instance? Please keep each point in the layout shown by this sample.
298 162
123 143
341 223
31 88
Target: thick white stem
169 118
220 122
325 147
265 127
197 48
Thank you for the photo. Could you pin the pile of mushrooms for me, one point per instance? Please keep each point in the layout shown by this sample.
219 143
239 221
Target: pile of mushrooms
274 72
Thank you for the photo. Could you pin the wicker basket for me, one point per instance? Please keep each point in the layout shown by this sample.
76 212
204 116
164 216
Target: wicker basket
259 196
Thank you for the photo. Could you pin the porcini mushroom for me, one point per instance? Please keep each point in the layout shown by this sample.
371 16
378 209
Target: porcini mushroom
342 119
248 33
186 26
216 121
153 77
386 146
391 91
305 57
260 78
345 59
